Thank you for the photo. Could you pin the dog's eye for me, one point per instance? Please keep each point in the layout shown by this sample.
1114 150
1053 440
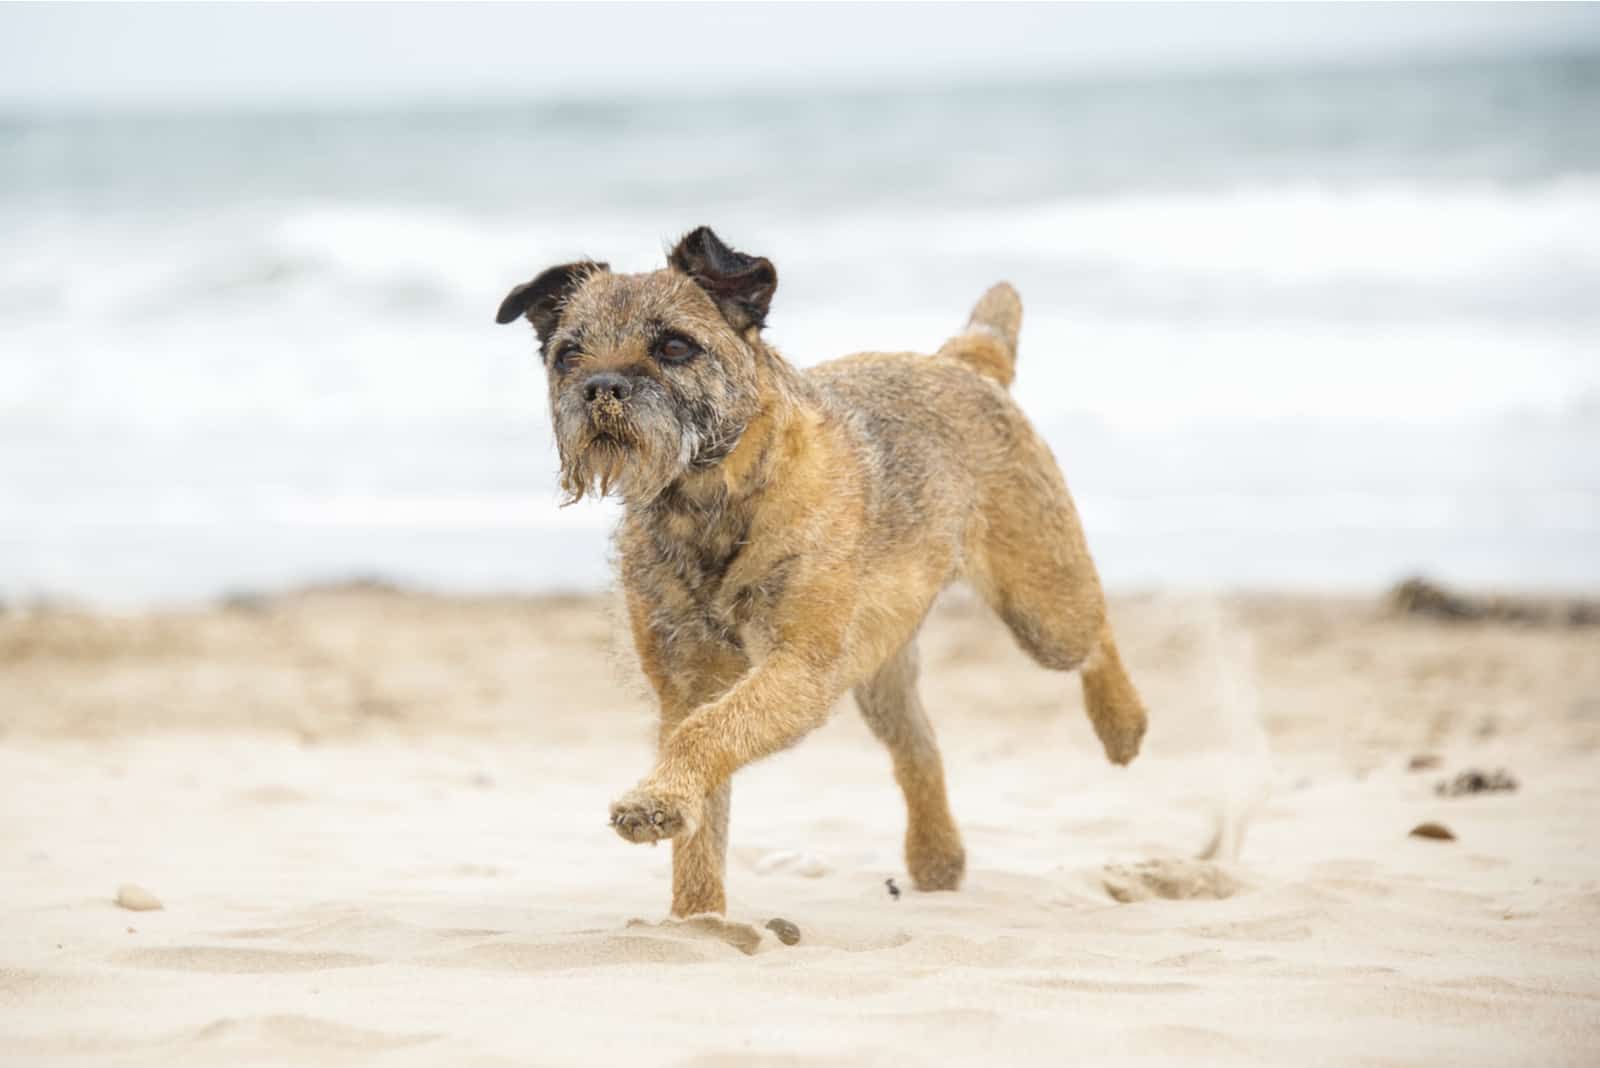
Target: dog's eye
564 357
675 350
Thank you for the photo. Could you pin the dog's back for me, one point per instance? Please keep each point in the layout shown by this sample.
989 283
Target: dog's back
932 426
961 476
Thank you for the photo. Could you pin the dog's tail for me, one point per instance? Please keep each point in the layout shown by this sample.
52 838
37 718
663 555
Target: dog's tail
989 343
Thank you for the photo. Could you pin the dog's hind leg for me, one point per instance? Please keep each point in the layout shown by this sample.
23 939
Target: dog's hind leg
1028 558
1113 704
891 707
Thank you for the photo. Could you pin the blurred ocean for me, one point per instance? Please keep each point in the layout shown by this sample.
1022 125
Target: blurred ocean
1292 330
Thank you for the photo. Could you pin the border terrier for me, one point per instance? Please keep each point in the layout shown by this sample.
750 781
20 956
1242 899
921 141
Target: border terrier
784 532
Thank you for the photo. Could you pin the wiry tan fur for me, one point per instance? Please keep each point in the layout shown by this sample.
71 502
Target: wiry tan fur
785 533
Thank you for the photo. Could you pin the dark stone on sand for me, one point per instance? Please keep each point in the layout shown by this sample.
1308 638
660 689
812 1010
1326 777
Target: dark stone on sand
1423 762
1436 831
1421 597
787 932
1582 614
355 584
1476 781
246 602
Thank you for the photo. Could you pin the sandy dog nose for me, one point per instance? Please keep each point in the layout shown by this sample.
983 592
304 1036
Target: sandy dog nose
606 384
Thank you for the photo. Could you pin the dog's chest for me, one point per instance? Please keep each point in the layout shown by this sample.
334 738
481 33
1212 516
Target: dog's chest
707 578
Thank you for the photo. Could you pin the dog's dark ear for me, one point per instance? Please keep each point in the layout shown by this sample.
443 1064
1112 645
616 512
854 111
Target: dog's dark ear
540 300
742 286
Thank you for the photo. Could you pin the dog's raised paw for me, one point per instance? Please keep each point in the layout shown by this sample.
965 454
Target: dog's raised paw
1121 735
643 816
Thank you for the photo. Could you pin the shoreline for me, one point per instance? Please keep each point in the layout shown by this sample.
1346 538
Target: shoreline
1557 605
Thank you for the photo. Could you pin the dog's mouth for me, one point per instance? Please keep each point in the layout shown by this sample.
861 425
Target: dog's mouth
607 447
607 425
608 437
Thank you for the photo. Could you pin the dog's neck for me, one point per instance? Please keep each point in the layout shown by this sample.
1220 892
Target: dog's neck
701 523
737 481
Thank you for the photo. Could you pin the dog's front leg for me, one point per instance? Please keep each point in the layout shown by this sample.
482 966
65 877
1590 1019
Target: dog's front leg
699 860
699 849
772 707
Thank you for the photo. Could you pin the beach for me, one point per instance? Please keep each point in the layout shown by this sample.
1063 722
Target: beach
313 701
375 821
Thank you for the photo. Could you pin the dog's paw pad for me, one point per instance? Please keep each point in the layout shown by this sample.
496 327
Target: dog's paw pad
645 817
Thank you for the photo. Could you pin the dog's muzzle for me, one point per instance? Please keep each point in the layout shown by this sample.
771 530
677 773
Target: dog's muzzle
606 384
604 395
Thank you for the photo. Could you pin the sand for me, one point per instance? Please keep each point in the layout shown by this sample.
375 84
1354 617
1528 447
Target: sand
376 827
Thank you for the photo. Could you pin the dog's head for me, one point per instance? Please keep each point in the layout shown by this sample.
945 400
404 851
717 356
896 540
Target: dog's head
651 375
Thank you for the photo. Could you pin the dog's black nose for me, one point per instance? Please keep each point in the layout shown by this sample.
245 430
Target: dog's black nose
606 382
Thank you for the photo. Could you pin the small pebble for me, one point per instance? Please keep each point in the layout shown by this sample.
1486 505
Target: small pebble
787 932
137 898
1433 830
1423 762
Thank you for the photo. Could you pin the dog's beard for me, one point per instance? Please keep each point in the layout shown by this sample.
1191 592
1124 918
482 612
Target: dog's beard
632 451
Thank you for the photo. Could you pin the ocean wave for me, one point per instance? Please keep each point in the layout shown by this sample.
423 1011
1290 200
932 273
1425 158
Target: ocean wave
1306 251
1396 232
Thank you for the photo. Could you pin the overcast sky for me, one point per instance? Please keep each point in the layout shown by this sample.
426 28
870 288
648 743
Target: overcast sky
220 54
